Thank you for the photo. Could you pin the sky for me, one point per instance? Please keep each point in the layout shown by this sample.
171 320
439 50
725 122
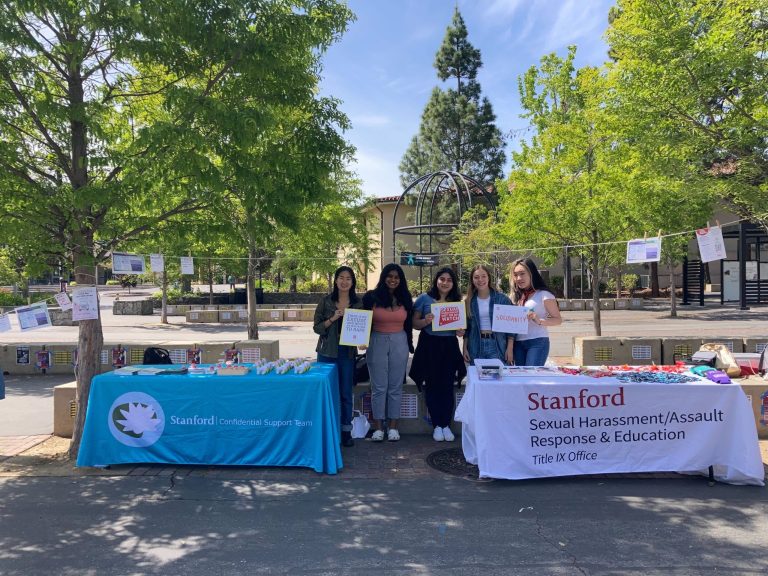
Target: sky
382 67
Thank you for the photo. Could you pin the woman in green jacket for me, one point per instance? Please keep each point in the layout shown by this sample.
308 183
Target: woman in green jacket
327 324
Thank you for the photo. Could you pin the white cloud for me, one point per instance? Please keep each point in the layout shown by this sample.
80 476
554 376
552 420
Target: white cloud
502 8
370 120
575 20
379 173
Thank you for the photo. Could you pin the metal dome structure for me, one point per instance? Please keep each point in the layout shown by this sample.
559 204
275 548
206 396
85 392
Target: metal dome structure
439 201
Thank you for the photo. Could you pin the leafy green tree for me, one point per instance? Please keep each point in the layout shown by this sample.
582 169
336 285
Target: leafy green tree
691 78
458 130
114 116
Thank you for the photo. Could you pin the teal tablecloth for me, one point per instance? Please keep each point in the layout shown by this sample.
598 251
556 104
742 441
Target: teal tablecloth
270 420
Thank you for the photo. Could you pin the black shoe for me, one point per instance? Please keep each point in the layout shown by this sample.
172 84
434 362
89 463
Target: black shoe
346 439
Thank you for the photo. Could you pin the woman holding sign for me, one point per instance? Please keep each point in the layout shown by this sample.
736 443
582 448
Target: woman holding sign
391 342
437 362
328 315
480 341
530 290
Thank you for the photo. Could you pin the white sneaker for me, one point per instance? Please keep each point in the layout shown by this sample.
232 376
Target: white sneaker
378 436
393 435
448 435
437 435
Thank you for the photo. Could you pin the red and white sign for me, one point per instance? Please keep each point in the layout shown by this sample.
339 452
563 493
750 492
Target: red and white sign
449 316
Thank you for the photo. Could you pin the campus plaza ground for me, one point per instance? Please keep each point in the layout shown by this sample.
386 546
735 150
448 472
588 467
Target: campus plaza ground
32 425
387 510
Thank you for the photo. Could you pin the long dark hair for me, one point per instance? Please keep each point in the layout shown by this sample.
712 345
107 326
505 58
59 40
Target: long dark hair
381 295
537 282
335 291
455 294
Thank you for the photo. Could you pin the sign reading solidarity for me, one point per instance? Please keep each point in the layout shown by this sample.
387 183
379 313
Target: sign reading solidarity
510 319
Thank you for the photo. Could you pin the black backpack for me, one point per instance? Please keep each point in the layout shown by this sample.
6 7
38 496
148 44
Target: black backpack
154 355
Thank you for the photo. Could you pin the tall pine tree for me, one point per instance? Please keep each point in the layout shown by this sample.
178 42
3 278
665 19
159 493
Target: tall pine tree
458 130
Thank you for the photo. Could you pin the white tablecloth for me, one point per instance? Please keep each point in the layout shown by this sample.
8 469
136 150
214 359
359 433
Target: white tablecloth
538 426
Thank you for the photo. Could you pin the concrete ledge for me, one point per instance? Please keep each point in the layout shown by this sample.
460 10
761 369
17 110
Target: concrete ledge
133 308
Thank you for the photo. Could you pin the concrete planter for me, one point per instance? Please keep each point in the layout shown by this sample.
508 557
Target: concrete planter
133 308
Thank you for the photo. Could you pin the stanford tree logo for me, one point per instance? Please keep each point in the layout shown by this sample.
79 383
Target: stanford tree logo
136 419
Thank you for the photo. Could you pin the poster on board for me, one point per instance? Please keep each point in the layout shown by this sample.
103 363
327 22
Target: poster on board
356 327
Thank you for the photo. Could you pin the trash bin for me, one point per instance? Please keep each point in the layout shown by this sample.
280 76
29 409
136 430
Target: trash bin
259 292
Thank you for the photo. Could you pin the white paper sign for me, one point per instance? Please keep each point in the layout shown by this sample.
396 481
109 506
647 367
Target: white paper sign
127 263
63 299
644 250
356 327
85 303
5 322
449 316
157 262
711 245
187 265
510 319
33 317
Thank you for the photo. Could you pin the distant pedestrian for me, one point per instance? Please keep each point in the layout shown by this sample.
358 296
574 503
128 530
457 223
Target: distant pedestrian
231 280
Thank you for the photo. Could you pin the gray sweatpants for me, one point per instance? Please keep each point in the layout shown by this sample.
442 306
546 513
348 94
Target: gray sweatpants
387 359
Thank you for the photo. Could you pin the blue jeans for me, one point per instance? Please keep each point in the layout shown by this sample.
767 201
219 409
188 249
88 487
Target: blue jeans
531 352
345 367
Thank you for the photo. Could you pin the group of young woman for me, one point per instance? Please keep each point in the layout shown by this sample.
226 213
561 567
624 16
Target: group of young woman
438 362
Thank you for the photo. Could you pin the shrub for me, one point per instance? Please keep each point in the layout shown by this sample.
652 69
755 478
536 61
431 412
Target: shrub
313 286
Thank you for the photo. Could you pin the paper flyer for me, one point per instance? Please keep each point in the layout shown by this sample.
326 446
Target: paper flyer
157 262
510 319
642 250
449 316
356 327
33 317
187 265
5 322
63 300
711 244
85 303
123 263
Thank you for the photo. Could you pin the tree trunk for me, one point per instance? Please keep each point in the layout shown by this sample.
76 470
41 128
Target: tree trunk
294 284
654 279
210 282
618 283
164 301
89 345
672 295
250 284
595 291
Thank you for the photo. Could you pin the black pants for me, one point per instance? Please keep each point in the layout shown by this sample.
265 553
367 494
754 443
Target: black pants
437 364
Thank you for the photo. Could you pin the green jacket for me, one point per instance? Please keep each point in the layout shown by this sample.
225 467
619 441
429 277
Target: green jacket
328 343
